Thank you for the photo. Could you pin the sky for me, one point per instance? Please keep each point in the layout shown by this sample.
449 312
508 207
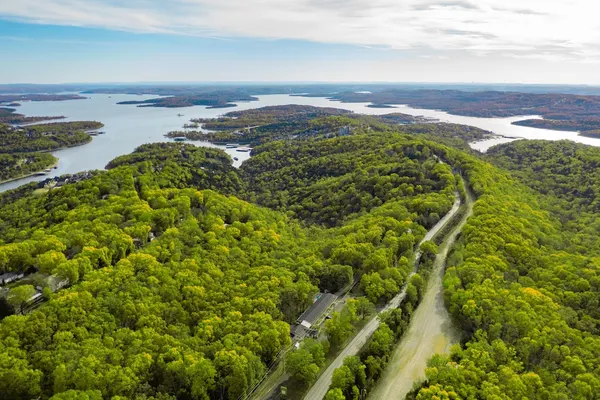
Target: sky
493 41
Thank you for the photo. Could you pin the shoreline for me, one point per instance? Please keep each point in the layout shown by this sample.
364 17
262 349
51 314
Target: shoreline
30 174
52 166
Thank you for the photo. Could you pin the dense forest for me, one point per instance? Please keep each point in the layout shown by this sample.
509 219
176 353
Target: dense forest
44 137
21 147
266 124
524 281
185 273
271 123
267 115
22 164
180 289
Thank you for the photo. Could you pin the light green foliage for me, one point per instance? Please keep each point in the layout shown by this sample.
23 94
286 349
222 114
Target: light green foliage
201 310
19 295
335 394
18 379
342 324
41 137
350 379
520 282
304 363
78 395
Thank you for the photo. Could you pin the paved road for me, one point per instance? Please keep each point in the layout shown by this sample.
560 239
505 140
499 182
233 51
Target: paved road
321 386
430 332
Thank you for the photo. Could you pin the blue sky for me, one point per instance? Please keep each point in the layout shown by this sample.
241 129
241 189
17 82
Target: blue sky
527 41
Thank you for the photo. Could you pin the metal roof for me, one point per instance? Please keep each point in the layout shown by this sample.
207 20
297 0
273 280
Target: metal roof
11 275
312 314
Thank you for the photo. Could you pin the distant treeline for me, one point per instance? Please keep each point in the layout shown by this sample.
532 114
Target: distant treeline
10 98
8 116
221 99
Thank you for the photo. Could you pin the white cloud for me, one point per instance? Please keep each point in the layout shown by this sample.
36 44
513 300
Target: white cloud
548 29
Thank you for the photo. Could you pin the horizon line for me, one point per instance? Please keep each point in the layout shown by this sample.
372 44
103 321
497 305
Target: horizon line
258 82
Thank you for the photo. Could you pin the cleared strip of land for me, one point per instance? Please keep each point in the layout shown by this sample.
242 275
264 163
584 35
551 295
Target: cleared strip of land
430 332
321 386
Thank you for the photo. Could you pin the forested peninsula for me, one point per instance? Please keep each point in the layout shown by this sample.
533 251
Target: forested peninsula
218 99
185 278
23 148
9 116
290 122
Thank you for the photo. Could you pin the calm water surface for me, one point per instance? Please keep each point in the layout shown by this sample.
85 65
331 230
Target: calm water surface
128 126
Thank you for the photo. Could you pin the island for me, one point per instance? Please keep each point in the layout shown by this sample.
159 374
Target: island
564 108
218 99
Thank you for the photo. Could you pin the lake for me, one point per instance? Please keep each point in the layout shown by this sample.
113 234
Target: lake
128 126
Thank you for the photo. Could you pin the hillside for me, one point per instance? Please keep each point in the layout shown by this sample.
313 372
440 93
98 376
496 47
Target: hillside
185 273
524 289
176 289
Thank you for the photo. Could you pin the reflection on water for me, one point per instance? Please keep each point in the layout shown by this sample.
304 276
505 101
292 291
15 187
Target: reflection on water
128 126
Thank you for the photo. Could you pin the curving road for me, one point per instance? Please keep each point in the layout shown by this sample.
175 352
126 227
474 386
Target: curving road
430 332
321 386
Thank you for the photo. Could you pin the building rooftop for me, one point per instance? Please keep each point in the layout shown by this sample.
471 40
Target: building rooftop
312 314
11 276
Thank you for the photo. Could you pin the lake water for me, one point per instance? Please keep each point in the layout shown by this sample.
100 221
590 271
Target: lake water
128 126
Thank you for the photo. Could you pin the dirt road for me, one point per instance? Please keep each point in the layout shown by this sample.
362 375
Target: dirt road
430 331
321 386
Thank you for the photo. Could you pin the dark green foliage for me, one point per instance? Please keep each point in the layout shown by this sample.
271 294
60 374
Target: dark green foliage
563 169
16 165
272 123
16 143
325 181
454 135
217 99
45 137
177 290
587 125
